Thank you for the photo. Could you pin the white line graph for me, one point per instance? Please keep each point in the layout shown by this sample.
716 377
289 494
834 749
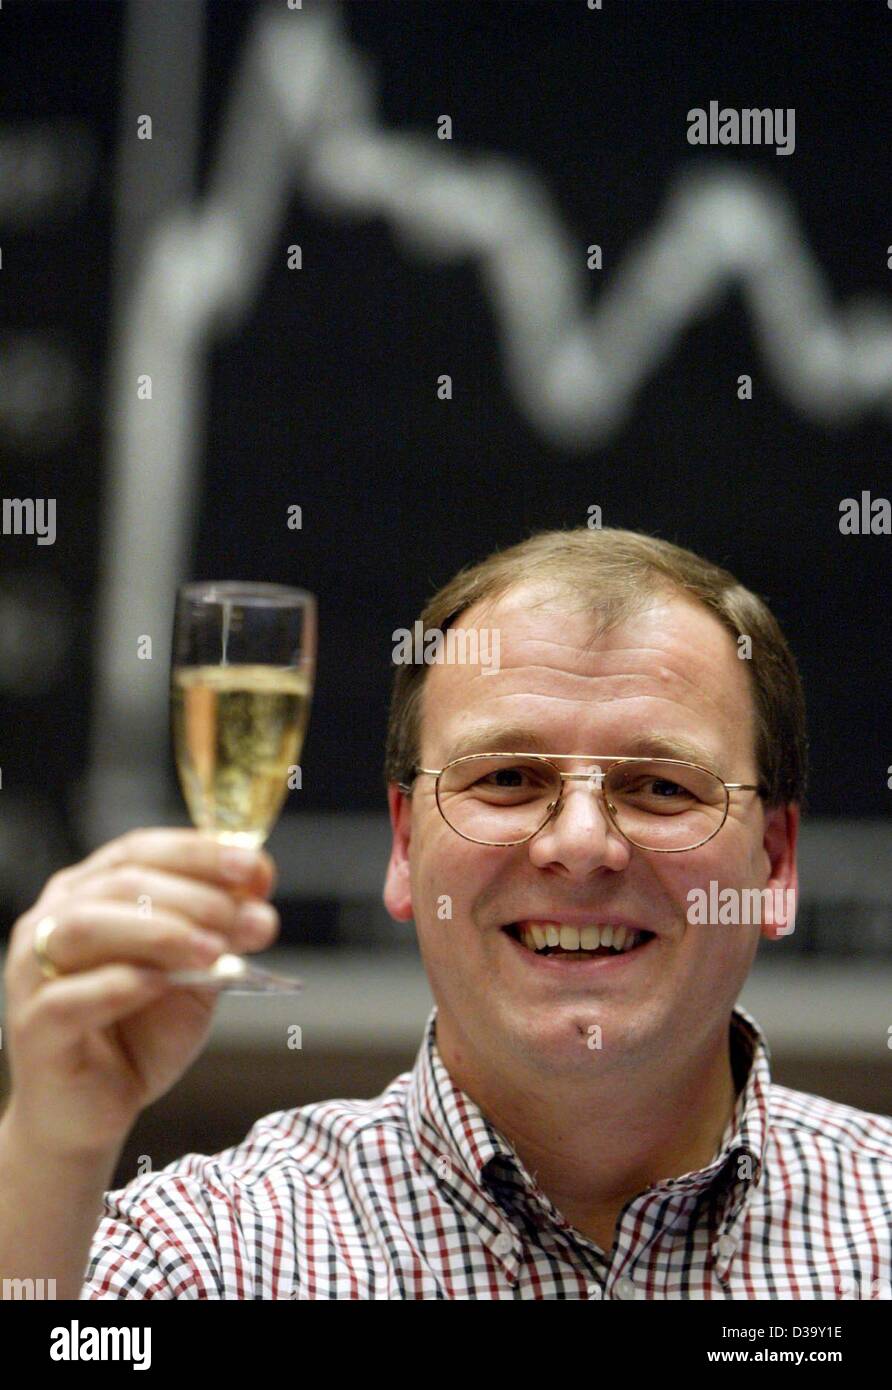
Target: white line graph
576 345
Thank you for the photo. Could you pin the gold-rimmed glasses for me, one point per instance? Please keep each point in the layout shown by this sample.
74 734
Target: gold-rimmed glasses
665 805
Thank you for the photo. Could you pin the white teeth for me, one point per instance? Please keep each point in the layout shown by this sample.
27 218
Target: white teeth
536 935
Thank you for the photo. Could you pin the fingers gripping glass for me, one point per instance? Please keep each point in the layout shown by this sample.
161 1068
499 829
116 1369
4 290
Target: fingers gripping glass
661 804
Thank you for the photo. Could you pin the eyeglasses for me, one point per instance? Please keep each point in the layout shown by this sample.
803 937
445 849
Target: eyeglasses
661 804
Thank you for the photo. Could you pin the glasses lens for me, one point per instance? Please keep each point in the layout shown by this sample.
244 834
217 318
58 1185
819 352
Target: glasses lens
661 805
497 799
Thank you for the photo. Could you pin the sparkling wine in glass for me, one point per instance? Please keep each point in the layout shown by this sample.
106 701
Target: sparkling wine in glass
241 682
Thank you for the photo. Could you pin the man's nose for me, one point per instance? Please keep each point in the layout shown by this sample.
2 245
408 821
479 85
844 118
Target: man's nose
580 834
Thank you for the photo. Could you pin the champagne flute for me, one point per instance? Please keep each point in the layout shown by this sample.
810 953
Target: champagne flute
242 668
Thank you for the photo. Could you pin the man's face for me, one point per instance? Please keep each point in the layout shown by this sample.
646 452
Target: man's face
671 671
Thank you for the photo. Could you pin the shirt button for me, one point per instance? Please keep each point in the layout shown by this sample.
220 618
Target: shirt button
594 1291
624 1288
503 1244
725 1245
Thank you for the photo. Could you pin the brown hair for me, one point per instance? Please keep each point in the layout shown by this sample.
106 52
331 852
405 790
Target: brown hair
616 573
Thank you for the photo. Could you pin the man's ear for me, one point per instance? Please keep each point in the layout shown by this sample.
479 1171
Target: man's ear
397 884
779 844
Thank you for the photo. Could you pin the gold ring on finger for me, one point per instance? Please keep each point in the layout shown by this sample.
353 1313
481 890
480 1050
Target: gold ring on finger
45 927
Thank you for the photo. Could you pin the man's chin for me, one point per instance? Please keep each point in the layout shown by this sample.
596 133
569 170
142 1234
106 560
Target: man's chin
564 1038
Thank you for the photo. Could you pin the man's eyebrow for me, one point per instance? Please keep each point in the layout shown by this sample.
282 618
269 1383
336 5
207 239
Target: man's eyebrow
498 738
662 745
516 738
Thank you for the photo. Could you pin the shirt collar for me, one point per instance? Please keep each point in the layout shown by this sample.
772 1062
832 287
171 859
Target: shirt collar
456 1145
451 1134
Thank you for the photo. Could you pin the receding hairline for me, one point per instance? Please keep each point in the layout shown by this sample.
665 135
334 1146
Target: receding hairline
559 591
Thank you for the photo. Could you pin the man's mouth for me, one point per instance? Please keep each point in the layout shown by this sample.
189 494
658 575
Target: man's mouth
581 942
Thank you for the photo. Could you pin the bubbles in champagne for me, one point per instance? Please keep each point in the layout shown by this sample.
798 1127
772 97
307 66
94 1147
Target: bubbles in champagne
236 732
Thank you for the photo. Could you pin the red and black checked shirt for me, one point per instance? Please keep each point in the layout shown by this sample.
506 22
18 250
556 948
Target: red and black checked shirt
414 1195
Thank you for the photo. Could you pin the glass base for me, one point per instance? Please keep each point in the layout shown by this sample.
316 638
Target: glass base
236 975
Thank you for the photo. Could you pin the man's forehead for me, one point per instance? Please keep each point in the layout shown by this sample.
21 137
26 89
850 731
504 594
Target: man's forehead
672 650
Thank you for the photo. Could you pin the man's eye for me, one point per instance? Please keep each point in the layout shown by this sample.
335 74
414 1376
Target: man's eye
660 788
663 787
510 779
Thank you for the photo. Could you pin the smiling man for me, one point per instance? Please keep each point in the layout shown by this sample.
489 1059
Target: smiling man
590 1115
597 1125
